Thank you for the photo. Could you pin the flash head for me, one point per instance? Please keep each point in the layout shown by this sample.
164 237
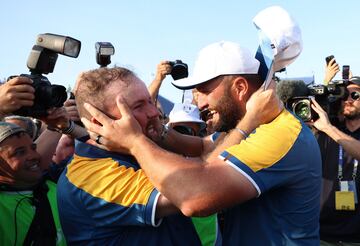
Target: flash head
104 51
64 45
44 53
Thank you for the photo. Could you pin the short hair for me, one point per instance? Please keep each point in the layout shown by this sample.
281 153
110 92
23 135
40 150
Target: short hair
91 86
254 80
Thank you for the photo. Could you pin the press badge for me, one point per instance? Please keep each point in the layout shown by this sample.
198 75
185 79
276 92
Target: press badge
345 198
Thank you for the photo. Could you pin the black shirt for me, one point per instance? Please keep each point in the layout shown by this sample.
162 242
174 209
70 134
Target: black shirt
337 225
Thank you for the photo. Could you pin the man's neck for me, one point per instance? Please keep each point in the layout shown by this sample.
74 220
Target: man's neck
352 125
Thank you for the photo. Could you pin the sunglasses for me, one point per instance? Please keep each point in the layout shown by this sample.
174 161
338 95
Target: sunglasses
185 130
355 95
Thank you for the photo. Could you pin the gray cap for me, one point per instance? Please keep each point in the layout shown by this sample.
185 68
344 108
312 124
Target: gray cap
8 129
355 80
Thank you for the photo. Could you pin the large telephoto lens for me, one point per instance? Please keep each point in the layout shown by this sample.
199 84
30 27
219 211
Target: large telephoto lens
302 109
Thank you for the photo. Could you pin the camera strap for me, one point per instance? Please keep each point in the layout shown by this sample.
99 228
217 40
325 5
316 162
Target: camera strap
42 230
346 197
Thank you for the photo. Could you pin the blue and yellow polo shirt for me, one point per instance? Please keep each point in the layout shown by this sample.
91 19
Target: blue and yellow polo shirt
105 198
282 160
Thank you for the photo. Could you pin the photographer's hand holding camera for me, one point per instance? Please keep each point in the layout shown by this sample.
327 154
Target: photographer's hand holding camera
331 69
163 68
14 94
71 109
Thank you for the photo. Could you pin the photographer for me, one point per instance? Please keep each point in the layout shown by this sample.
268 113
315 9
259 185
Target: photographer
28 208
340 148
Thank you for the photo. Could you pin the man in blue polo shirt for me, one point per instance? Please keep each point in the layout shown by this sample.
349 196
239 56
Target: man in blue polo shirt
104 197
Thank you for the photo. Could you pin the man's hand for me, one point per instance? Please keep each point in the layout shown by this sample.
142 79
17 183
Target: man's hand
71 109
16 93
331 69
323 123
163 69
57 118
116 135
262 107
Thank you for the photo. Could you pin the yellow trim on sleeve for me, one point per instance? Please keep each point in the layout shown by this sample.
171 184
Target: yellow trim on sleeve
105 179
269 143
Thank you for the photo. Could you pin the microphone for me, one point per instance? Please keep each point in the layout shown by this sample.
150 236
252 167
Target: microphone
287 89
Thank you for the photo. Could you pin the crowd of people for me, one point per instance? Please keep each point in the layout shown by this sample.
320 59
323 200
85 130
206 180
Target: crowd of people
231 166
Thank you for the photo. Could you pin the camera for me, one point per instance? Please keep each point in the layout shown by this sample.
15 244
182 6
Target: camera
42 60
179 70
328 96
104 51
329 58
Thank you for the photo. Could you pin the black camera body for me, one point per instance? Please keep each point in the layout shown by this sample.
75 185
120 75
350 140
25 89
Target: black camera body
46 96
42 60
328 96
179 70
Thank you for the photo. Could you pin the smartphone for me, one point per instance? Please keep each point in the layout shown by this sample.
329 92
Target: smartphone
328 59
345 71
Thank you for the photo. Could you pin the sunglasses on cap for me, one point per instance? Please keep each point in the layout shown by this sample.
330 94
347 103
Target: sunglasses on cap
355 95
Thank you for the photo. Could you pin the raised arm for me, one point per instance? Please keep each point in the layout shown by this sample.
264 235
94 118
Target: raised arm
350 144
163 69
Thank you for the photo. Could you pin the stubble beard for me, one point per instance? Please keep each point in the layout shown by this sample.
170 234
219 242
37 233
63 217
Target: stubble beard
229 113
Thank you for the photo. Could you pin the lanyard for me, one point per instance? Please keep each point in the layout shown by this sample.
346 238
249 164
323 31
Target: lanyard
341 164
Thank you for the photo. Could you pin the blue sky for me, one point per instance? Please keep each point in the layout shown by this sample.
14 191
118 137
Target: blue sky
146 32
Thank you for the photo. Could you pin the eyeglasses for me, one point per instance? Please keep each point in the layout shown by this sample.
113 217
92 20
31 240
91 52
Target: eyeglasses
355 95
185 130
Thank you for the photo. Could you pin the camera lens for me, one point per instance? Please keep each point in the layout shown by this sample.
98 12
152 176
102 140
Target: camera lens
302 109
51 96
179 70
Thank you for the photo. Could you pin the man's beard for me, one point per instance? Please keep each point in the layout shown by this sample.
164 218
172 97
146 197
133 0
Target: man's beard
351 115
157 128
229 113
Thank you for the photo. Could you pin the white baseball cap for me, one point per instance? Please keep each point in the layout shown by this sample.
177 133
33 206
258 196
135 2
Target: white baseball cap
185 112
283 32
221 58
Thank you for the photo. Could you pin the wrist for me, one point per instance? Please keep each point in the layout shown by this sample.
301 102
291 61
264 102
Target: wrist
247 125
242 132
137 142
66 130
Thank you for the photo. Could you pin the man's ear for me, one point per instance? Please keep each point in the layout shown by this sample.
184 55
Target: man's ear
93 120
241 87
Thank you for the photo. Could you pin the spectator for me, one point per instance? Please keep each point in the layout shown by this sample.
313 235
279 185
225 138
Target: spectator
271 189
104 197
340 149
28 206
185 118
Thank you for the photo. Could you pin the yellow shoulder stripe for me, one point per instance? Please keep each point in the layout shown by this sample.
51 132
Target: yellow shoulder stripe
104 178
269 143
